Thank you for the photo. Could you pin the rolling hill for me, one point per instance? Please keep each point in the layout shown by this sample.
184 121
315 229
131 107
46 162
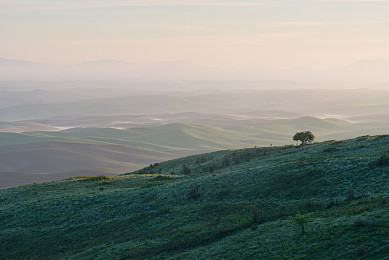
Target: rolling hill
48 161
71 152
230 204
314 102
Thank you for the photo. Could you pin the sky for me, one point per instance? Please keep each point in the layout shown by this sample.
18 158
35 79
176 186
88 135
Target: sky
317 34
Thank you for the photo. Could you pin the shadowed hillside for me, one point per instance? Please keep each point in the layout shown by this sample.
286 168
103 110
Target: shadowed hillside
228 204
48 161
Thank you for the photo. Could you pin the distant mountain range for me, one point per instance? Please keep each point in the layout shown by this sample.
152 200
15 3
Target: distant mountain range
366 71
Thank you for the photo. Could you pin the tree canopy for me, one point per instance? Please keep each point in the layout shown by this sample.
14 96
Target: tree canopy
301 219
304 137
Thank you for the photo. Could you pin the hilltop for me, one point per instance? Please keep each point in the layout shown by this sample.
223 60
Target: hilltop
233 204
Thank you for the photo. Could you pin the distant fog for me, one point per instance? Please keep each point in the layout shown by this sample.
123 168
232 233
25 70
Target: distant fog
54 101
366 71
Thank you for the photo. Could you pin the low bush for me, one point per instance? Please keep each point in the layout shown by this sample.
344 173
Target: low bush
186 170
194 193
258 216
365 223
162 178
105 182
310 205
99 178
383 160
331 150
351 194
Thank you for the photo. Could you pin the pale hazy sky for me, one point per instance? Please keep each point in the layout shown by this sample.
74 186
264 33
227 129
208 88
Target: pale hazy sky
263 33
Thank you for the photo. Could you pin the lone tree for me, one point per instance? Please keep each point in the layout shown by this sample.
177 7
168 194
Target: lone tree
300 220
304 137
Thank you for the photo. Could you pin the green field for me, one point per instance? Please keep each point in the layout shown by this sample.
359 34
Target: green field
179 136
233 204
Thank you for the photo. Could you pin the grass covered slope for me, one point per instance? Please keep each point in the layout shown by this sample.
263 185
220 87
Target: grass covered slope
60 154
234 204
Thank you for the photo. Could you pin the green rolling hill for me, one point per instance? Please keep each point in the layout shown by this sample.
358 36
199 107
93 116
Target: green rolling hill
73 151
233 204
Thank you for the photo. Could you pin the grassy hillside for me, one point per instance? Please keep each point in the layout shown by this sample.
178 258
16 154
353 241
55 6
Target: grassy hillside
180 136
86 149
233 204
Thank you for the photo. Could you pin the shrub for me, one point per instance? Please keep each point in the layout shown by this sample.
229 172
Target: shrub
203 159
282 210
142 171
362 251
332 203
359 222
226 161
365 223
99 178
351 194
186 169
310 205
330 150
76 178
258 216
162 177
383 160
363 137
194 193
223 194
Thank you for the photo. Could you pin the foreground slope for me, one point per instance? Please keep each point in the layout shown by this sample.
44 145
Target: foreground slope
234 204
